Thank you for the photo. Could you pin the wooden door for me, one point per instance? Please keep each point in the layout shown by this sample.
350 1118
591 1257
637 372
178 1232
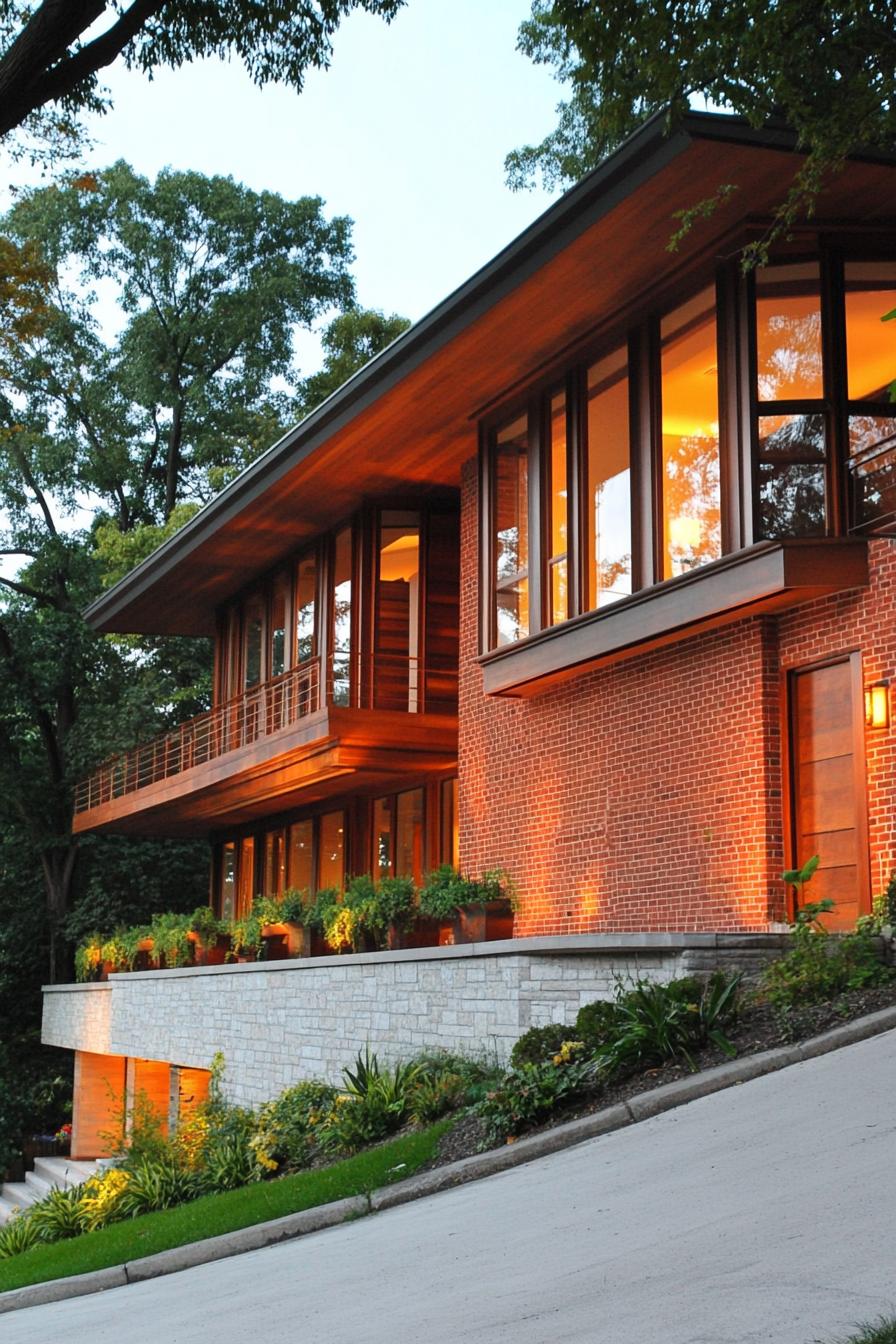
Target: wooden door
828 785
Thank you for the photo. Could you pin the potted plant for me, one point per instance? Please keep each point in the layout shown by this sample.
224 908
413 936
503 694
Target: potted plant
89 958
208 933
395 899
246 942
314 917
475 909
292 921
363 924
171 940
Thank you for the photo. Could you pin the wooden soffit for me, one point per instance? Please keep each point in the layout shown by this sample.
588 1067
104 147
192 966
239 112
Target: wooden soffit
407 422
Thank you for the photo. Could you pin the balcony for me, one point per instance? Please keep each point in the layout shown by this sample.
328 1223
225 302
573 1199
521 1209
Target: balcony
320 729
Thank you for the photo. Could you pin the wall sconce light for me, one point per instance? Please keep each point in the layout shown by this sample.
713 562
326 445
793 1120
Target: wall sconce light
877 705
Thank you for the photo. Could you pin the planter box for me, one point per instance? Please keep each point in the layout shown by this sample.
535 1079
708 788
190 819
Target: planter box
484 923
422 933
286 940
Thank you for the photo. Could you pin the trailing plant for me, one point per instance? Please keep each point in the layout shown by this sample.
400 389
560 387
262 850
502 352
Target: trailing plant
206 925
267 910
170 938
245 936
294 905
89 958
341 928
314 915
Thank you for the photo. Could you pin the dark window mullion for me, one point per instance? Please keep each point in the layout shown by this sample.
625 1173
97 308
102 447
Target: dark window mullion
576 494
833 330
538 485
646 454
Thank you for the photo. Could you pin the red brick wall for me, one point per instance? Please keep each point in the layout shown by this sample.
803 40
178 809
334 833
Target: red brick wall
648 795
864 620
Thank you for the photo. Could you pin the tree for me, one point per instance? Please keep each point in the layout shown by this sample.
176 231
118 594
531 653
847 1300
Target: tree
110 433
828 71
349 342
211 280
52 51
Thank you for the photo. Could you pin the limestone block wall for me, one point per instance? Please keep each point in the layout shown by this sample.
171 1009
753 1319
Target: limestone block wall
279 1023
78 1017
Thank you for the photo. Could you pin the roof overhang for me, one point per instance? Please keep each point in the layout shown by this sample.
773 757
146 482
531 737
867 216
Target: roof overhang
406 422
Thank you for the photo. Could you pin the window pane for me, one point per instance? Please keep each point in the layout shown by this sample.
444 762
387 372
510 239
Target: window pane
409 835
609 482
247 877
306 609
397 613
870 347
511 536
382 837
872 445
228 880
274 863
342 616
557 560
301 872
692 533
448 839
254 634
331 865
788 332
278 626
791 499
788 438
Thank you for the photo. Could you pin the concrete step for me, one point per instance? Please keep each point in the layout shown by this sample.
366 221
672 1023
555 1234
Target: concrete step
63 1171
49 1173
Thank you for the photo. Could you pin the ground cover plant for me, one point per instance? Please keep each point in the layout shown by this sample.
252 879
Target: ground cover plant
882 1331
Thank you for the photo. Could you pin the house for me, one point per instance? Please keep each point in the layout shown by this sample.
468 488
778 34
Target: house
589 576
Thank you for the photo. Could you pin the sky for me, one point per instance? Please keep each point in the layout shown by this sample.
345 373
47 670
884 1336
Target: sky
406 132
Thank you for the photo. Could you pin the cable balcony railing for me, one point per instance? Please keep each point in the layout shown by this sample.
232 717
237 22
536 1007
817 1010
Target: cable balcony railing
378 683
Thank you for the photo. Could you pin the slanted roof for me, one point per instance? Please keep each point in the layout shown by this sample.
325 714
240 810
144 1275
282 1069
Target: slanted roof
407 420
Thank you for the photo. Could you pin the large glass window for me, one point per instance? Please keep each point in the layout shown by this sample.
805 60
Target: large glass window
791 440
398 835
331 851
608 490
342 617
246 893
449 847
228 879
306 609
274 863
558 528
871 369
397 635
300 863
253 640
692 516
511 532
279 604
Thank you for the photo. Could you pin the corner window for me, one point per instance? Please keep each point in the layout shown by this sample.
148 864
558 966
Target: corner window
511 531
870 293
558 531
691 491
608 481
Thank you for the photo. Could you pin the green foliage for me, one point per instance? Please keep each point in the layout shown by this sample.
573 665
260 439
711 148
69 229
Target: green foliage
829 71
445 891
881 1331
540 1044
58 1215
53 79
528 1093
205 924
294 905
17 1236
317 912
170 937
659 1022
596 1023
820 966
159 1183
349 342
435 1094
395 902
287 1129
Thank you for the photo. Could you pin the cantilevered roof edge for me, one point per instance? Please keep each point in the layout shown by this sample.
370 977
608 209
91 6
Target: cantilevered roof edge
642 155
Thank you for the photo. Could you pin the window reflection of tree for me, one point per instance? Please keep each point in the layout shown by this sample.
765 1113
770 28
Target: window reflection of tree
691 501
792 366
791 476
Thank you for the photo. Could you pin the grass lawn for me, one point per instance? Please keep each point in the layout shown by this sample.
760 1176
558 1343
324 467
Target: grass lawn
214 1214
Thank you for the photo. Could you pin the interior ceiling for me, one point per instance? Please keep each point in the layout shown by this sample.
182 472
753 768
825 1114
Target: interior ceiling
416 435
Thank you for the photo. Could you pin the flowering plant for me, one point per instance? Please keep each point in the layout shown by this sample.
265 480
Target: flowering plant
63 1134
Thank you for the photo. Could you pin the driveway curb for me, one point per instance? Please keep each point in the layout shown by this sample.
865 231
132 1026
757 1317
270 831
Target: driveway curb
642 1107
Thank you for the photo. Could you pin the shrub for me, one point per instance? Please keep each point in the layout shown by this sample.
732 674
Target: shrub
356 1121
596 1024
527 1094
157 1184
658 1022
819 967
434 1095
294 906
101 1198
229 1162
287 1129
58 1215
539 1044
18 1235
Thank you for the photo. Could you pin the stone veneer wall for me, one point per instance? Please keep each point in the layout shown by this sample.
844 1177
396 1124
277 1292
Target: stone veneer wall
285 1021
78 1017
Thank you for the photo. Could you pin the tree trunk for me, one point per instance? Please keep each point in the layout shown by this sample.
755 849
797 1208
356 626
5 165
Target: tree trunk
59 870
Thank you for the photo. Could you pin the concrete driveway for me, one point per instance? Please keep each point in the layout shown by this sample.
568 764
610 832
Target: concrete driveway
764 1213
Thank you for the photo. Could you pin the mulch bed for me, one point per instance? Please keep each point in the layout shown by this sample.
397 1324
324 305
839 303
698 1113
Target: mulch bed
757 1028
